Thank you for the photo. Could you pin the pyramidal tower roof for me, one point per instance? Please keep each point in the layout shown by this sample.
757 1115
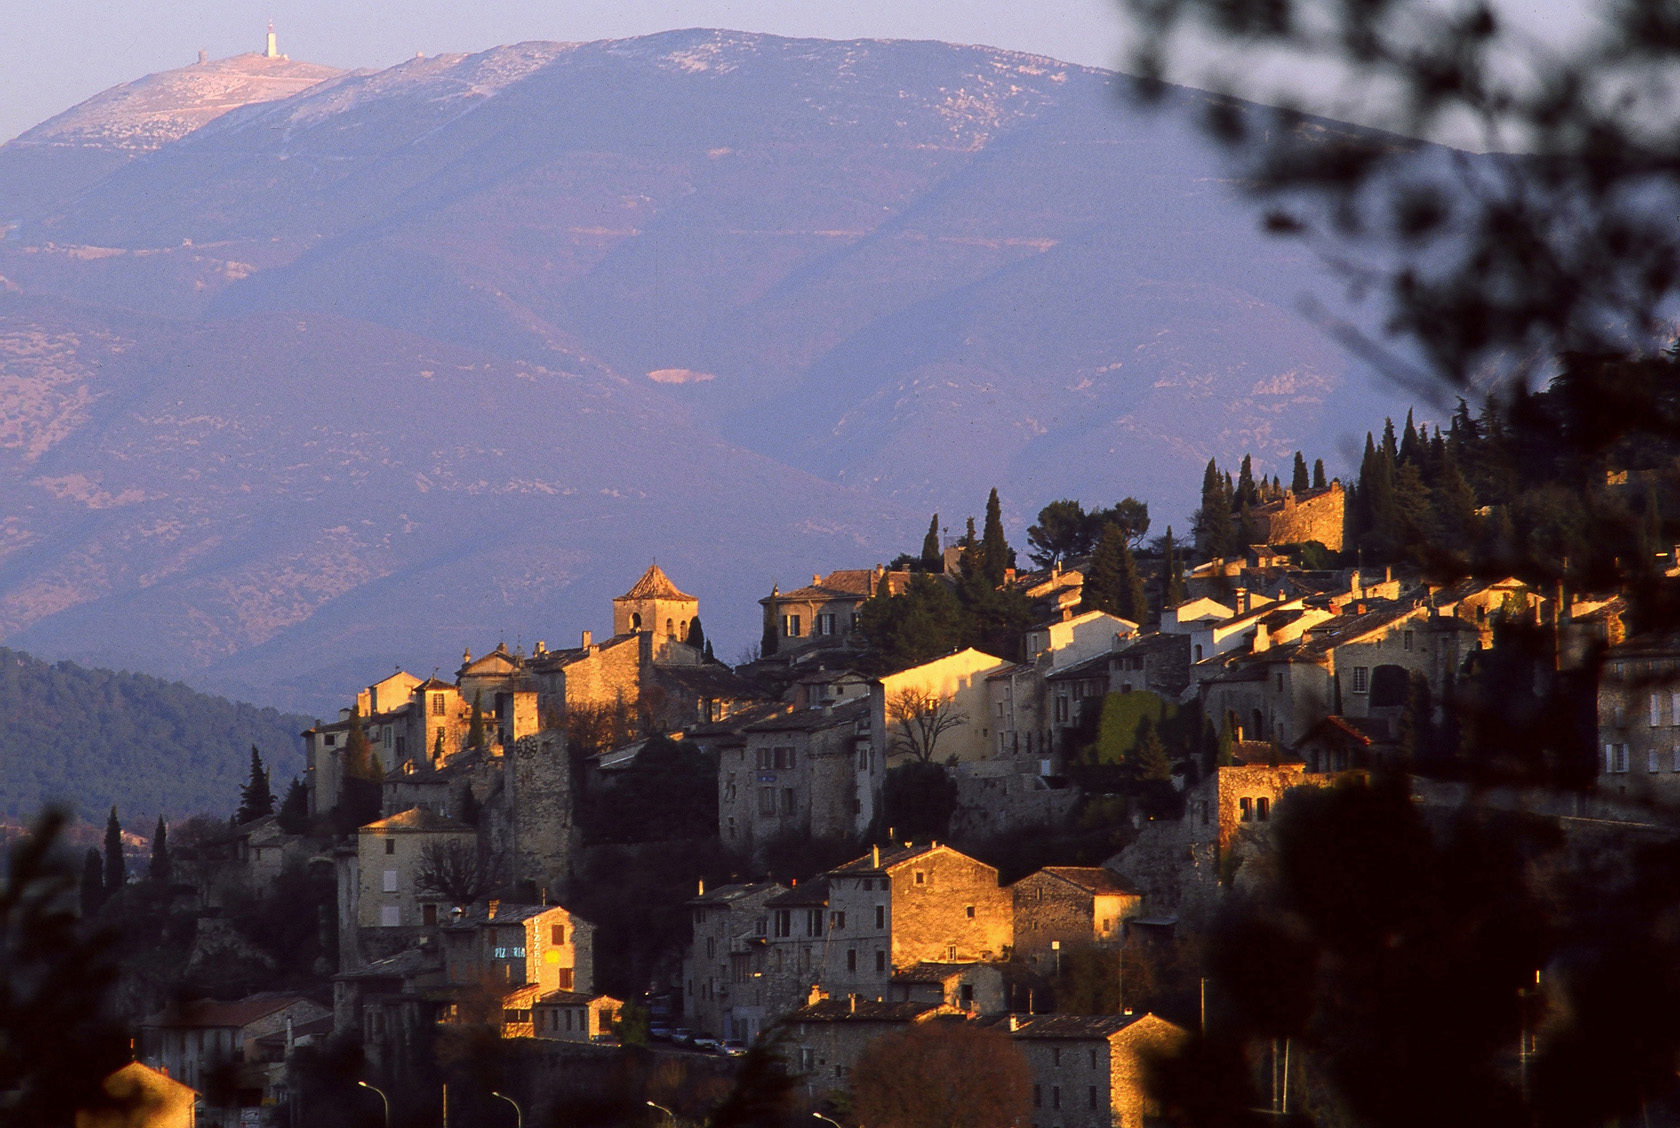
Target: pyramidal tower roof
655 584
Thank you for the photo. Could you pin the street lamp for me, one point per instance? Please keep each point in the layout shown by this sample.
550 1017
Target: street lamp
518 1116
666 1111
820 1116
383 1100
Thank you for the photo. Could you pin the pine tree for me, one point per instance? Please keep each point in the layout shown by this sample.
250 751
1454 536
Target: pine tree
933 557
93 882
996 557
1411 447
1300 482
158 869
293 816
255 799
116 866
1319 480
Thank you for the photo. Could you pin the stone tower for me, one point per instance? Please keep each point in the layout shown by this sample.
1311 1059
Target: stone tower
654 604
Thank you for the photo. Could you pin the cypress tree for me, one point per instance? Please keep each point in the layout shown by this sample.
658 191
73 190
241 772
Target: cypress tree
1113 583
159 869
255 798
1172 573
93 882
475 725
1319 480
116 866
1411 447
933 557
996 556
710 657
1246 491
1214 534
772 636
469 807
293 816
697 635
1299 482
1149 755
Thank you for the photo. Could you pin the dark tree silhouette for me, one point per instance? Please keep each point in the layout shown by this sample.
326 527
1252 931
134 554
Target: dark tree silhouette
159 869
116 866
256 799
458 871
942 1075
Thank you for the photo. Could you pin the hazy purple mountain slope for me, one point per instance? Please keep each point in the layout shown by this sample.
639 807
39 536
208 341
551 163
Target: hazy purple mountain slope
912 269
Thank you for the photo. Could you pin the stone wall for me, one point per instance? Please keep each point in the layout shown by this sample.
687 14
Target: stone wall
542 811
931 918
1318 515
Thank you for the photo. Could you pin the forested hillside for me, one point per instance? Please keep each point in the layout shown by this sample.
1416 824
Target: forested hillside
93 738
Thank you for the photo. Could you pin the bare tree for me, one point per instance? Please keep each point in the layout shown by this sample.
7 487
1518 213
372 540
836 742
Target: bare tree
917 719
457 870
942 1075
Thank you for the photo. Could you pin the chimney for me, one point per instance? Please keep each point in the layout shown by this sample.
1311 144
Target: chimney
852 999
203 57
1014 1023
816 996
494 905
875 856
588 639
702 887
816 580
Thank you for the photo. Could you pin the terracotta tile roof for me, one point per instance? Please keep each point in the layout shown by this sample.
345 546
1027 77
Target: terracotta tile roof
931 972
505 914
1083 1027
729 894
1094 878
571 999
863 1010
654 584
419 819
239 1013
812 894
811 720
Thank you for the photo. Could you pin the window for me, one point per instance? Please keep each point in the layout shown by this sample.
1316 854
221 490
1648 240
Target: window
1246 805
1361 679
731 827
965 993
390 845
784 922
402 747
390 881
437 704
1651 761
1656 709
837 922
1055 1096
813 922
564 978
330 740
880 959
1061 709
1615 758
789 804
921 878
428 915
1262 809
881 910
1038 1096
390 916
970 909
1093 1059
557 934
1406 640
851 959
767 800
790 626
1056 1058
1093 1096
825 624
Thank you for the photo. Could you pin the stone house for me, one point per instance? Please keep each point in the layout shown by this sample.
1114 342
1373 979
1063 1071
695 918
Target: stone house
1232 799
1311 515
957 679
193 1042
826 1037
1639 718
1078 637
1015 702
390 855
502 945
971 988
1089 1071
825 613
655 606
902 906
574 1016
731 926
146 1098
1073 906
1074 691
812 772
1374 654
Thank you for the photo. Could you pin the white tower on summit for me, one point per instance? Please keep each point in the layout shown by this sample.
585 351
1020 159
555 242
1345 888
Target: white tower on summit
273 45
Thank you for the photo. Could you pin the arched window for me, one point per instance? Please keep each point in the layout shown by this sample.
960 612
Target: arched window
670 628
636 620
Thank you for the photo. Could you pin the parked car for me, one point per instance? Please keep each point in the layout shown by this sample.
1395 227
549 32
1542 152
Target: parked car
705 1043
681 1035
659 1031
732 1048
604 1040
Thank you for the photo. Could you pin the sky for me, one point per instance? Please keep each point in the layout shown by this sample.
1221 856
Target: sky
53 55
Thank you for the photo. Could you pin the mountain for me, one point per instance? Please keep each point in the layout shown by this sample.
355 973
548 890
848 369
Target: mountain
94 738
363 374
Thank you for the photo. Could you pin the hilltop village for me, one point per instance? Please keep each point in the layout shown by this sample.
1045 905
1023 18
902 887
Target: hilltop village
946 792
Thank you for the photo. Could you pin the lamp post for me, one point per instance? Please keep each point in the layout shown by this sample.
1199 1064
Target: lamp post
518 1115
383 1100
830 1120
669 1115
